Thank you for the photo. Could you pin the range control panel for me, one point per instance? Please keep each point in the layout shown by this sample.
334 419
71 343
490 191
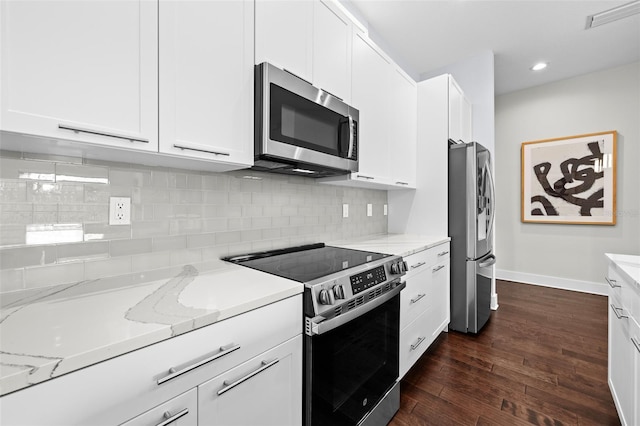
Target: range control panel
361 282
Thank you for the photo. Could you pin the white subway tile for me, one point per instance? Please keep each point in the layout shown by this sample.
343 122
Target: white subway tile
46 276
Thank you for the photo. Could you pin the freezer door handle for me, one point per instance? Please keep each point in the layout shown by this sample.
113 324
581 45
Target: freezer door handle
487 261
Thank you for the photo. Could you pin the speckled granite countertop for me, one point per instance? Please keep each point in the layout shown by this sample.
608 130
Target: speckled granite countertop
56 331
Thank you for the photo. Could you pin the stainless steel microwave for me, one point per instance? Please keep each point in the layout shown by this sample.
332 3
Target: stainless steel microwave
301 129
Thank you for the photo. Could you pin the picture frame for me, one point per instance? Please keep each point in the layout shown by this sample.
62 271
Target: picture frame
570 180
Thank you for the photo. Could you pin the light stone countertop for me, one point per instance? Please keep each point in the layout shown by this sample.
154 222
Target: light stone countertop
398 244
48 333
628 264
54 332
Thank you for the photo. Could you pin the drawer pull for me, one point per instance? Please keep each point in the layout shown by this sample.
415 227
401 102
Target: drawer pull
232 384
437 268
418 297
224 350
612 283
442 253
615 311
95 132
636 343
417 343
200 150
402 183
417 265
170 418
365 177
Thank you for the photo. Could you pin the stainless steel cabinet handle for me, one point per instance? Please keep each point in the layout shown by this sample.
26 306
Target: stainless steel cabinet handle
200 150
417 265
170 418
615 311
402 183
612 283
635 343
415 299
417 343
224 350
95 132
442 253
230 385
437 268
365 177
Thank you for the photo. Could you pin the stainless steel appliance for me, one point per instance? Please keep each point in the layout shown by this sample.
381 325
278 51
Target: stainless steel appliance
301 129
471 217
352 326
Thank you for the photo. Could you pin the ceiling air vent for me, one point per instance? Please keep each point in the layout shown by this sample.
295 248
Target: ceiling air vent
614 14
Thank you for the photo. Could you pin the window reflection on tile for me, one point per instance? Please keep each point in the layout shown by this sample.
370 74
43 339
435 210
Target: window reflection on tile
54 233
81 173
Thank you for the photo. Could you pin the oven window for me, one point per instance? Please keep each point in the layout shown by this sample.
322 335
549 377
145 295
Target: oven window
354 365
300 122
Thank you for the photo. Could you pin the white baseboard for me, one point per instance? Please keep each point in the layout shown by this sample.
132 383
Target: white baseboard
554 282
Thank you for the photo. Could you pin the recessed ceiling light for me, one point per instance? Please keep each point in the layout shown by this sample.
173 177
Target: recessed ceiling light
614 14
539 66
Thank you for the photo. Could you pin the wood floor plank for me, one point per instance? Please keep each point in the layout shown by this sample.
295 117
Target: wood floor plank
540 360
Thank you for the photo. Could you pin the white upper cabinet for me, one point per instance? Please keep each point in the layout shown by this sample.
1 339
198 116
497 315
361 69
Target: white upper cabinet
81 70
284 35
311 39
332 50
403 130
206 80
459 114
371 82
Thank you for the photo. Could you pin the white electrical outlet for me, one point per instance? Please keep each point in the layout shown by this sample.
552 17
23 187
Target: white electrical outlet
369 209
345 210
119 211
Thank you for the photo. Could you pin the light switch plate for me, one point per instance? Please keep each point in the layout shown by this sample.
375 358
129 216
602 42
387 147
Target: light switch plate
119 211
385 211
369 209
345 210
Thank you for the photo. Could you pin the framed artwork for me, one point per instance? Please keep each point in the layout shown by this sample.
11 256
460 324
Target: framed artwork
570 180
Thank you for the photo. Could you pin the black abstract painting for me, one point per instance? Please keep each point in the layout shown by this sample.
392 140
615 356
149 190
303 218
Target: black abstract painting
569 180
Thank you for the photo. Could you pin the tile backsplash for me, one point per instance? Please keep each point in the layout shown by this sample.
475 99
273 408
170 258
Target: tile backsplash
54 218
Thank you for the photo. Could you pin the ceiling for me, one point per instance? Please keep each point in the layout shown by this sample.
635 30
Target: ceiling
425 35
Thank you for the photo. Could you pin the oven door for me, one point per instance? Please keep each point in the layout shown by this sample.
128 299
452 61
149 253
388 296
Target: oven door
349 368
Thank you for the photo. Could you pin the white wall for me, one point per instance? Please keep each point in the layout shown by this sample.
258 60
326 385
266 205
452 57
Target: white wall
568 256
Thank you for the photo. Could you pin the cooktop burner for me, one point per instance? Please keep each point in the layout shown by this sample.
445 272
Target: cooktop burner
306 263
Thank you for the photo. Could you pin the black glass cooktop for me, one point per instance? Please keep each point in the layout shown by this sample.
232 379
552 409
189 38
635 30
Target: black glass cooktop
306 263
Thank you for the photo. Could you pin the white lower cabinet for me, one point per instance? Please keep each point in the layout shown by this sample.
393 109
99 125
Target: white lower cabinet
424 303
126 387
179 411
263 391
624 345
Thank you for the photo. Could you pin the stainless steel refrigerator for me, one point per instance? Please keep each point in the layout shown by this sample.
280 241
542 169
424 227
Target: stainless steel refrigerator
471 218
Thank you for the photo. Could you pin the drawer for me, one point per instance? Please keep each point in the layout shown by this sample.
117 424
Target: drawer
425 289
121 388
615 282
180 411
423 259
417 336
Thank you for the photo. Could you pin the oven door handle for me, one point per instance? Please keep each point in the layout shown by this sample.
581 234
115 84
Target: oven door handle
320 325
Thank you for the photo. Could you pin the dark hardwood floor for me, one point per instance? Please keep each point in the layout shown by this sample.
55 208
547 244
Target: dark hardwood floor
541 359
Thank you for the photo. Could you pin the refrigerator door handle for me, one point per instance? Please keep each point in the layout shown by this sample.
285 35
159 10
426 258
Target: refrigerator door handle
491 202
487 261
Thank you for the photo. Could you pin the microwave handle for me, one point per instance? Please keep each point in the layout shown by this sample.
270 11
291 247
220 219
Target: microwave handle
351 131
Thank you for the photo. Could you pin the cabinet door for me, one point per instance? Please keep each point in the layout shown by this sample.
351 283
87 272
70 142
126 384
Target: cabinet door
179 411
635 395
455 111
370 88
466 117
331 50
403 130
620 361
81 70
206 80
266 390
284 35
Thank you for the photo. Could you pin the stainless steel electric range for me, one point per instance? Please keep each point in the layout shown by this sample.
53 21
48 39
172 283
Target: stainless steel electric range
352 327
